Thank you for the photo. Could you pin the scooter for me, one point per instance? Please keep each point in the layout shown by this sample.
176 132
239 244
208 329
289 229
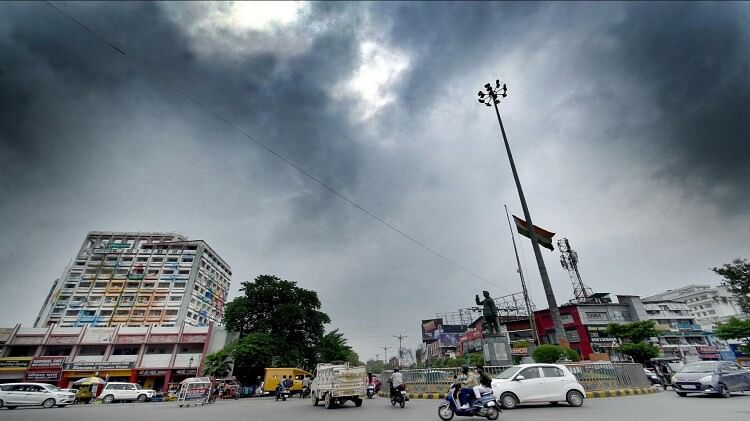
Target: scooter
485 407
370 390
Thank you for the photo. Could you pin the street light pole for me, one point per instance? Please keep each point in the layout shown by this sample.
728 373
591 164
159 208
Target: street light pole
490 98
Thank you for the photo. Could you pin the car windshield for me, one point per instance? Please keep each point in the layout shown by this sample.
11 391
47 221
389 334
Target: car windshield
137 386
53 388
698 368
508 373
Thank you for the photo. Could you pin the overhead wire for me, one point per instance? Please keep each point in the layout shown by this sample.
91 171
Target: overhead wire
146 66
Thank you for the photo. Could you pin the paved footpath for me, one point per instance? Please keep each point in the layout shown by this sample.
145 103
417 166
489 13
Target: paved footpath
664 406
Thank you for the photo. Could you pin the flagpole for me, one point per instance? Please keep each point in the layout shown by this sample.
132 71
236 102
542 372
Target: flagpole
530 313
491 99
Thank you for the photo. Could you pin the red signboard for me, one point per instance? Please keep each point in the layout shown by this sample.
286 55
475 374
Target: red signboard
43 376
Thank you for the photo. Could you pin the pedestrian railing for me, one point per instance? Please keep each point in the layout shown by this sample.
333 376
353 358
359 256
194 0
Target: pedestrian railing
592 376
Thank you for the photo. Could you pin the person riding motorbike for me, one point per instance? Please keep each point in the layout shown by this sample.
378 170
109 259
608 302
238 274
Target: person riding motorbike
397 383
306 385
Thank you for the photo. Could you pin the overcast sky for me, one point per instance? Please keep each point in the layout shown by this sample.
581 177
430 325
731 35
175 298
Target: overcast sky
629 124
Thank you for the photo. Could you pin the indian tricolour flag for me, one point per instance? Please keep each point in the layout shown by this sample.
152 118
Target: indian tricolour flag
542 235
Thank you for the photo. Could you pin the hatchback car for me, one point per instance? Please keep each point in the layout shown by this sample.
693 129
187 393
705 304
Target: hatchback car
537 383
711 377
13 395
114 391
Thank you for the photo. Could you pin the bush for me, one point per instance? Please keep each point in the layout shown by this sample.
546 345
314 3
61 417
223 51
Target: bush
549 354
641 352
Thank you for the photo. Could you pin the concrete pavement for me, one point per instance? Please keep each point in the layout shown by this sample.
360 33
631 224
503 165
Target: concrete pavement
660 406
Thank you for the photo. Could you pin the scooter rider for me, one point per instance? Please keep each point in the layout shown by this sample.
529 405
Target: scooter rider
485 384
468 381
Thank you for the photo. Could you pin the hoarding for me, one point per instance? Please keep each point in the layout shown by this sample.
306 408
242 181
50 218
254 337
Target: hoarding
431 329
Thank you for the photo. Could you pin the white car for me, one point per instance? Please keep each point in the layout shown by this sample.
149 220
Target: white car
115 391
13 395
537 383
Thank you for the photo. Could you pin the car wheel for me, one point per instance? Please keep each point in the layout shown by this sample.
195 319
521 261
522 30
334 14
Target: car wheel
108 399
681 394
492 413
49 403
141 398
508 400
315 399
445 412
574 398
724 392
327 401
358 402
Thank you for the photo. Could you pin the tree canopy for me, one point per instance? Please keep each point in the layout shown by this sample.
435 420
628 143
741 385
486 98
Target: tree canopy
218 364
736 276
633 332
640 351
333 347
734 329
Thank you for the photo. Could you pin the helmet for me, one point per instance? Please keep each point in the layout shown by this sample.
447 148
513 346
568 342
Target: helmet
464 369
395 370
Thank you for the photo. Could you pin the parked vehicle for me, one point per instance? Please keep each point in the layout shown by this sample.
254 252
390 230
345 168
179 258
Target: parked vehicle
486 407
398 395
273 376
13 395
537 383
370 390
337 383
116 391
711 377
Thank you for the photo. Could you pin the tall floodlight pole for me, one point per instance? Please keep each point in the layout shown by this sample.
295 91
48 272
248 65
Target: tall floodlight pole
490 97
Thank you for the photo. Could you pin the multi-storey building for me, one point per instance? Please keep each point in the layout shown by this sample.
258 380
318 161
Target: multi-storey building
679 335
707 304
139 279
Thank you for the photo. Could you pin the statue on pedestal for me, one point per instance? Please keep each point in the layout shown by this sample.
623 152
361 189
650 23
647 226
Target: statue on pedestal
489 313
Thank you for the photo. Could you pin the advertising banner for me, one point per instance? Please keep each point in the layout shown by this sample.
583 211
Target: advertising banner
429 329
45 363
12 363
43 376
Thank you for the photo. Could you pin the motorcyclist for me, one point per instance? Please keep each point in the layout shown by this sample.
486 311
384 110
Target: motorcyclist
397 382
306 385
468 381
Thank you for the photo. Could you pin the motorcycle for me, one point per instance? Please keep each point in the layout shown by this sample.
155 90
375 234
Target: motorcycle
398 396
370 390
304 393
284 393
485 407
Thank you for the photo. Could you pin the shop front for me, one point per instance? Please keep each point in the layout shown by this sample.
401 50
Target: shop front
45 370
112 371
152 378
13 369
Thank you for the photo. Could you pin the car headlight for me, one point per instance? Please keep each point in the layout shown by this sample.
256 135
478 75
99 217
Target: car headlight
706 379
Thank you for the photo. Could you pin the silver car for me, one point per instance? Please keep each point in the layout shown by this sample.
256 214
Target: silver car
711 377
13 395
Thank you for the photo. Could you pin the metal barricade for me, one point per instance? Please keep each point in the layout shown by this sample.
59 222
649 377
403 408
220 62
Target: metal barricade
592 376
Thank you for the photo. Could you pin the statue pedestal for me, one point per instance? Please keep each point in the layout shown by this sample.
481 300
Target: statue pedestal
497 350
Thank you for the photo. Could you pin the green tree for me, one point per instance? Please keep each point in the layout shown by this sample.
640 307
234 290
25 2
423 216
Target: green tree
641 352
736 276
734 329
549 354
289 314
252 353
376 366
218 364
333 347
634 332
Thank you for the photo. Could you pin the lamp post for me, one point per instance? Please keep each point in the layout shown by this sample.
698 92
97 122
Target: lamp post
190 363
491 97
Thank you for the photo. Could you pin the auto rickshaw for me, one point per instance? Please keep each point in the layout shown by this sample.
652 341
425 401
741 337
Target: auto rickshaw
666 368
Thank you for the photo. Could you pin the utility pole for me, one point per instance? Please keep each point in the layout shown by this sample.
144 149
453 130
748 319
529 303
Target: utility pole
532 322
385 353
400 348
490 98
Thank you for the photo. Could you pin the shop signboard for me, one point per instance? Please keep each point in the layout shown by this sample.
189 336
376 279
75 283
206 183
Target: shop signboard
152 373
41 363
14 363
186 372
603 340
520 351
98 365
43 376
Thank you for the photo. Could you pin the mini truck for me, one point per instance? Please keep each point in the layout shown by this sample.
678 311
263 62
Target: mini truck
334 384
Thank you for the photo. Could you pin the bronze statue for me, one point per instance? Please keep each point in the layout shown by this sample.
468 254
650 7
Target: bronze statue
489 312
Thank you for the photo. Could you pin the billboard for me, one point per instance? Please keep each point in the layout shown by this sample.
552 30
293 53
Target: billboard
431 329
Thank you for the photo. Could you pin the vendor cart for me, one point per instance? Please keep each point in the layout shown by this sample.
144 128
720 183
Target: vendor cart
194 391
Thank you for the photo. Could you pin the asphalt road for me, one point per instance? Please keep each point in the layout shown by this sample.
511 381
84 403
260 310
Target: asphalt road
663 406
